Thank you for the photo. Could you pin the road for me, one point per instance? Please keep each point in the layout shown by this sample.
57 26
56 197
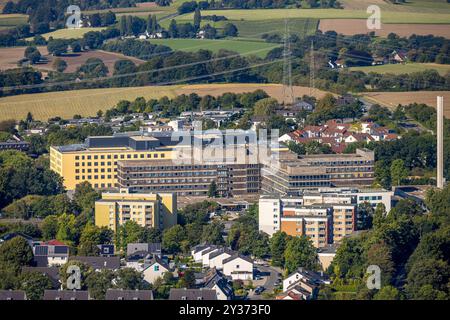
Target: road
269 278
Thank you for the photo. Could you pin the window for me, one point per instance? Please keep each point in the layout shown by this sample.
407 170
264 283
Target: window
156 268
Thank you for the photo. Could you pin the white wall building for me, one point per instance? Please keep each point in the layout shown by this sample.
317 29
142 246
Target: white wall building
238 268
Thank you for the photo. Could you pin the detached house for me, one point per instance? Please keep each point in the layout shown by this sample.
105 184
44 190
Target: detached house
302 285
99 263
238 267
155 269
49 255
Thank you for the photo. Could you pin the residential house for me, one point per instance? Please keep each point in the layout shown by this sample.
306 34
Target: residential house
52 253
238 267
12 295
51 272
155 269
66 295
302 285
217 257
12 235
120 294
99 263
216 281
106 250
197 251
192 294
141 250
306 275
399 56
207 253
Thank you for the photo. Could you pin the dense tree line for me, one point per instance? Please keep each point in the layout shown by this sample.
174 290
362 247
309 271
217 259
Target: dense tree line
190 6
173 107
20 176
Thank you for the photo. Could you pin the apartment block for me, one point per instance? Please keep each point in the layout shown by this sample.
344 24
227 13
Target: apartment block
326 217
294 172
152 210
190 179
96 160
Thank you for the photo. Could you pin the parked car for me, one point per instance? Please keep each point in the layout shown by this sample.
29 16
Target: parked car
259 290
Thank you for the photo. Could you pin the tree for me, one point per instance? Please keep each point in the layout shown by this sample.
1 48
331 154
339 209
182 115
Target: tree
380 254
123 26
129 232
433 272
212 190
265 107
364 216
300 252
173 29
57 47
99 282
49 227
197 19
34 283
278 244
172 238
187 280
85 197
230 30
213 233
15 253
60 65
32 54
130 279
387 293
94 68
398 171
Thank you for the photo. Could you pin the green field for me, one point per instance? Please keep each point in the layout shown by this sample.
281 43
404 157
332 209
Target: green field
274 14
12 20
443 69
69 33
258 48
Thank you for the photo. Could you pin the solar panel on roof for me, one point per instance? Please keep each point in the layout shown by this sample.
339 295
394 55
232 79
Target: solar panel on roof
60 249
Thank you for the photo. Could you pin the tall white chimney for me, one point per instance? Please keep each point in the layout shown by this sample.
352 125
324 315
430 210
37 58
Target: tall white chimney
440 143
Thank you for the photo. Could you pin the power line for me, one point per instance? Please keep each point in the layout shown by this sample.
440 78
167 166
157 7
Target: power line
288 92
50 84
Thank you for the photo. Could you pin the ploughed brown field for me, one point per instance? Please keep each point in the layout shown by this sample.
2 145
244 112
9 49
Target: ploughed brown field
10 56
358 26
393 99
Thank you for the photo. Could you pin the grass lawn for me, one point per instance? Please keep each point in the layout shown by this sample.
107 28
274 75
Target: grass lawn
443 69
242 46
69 33
254 29
271 14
